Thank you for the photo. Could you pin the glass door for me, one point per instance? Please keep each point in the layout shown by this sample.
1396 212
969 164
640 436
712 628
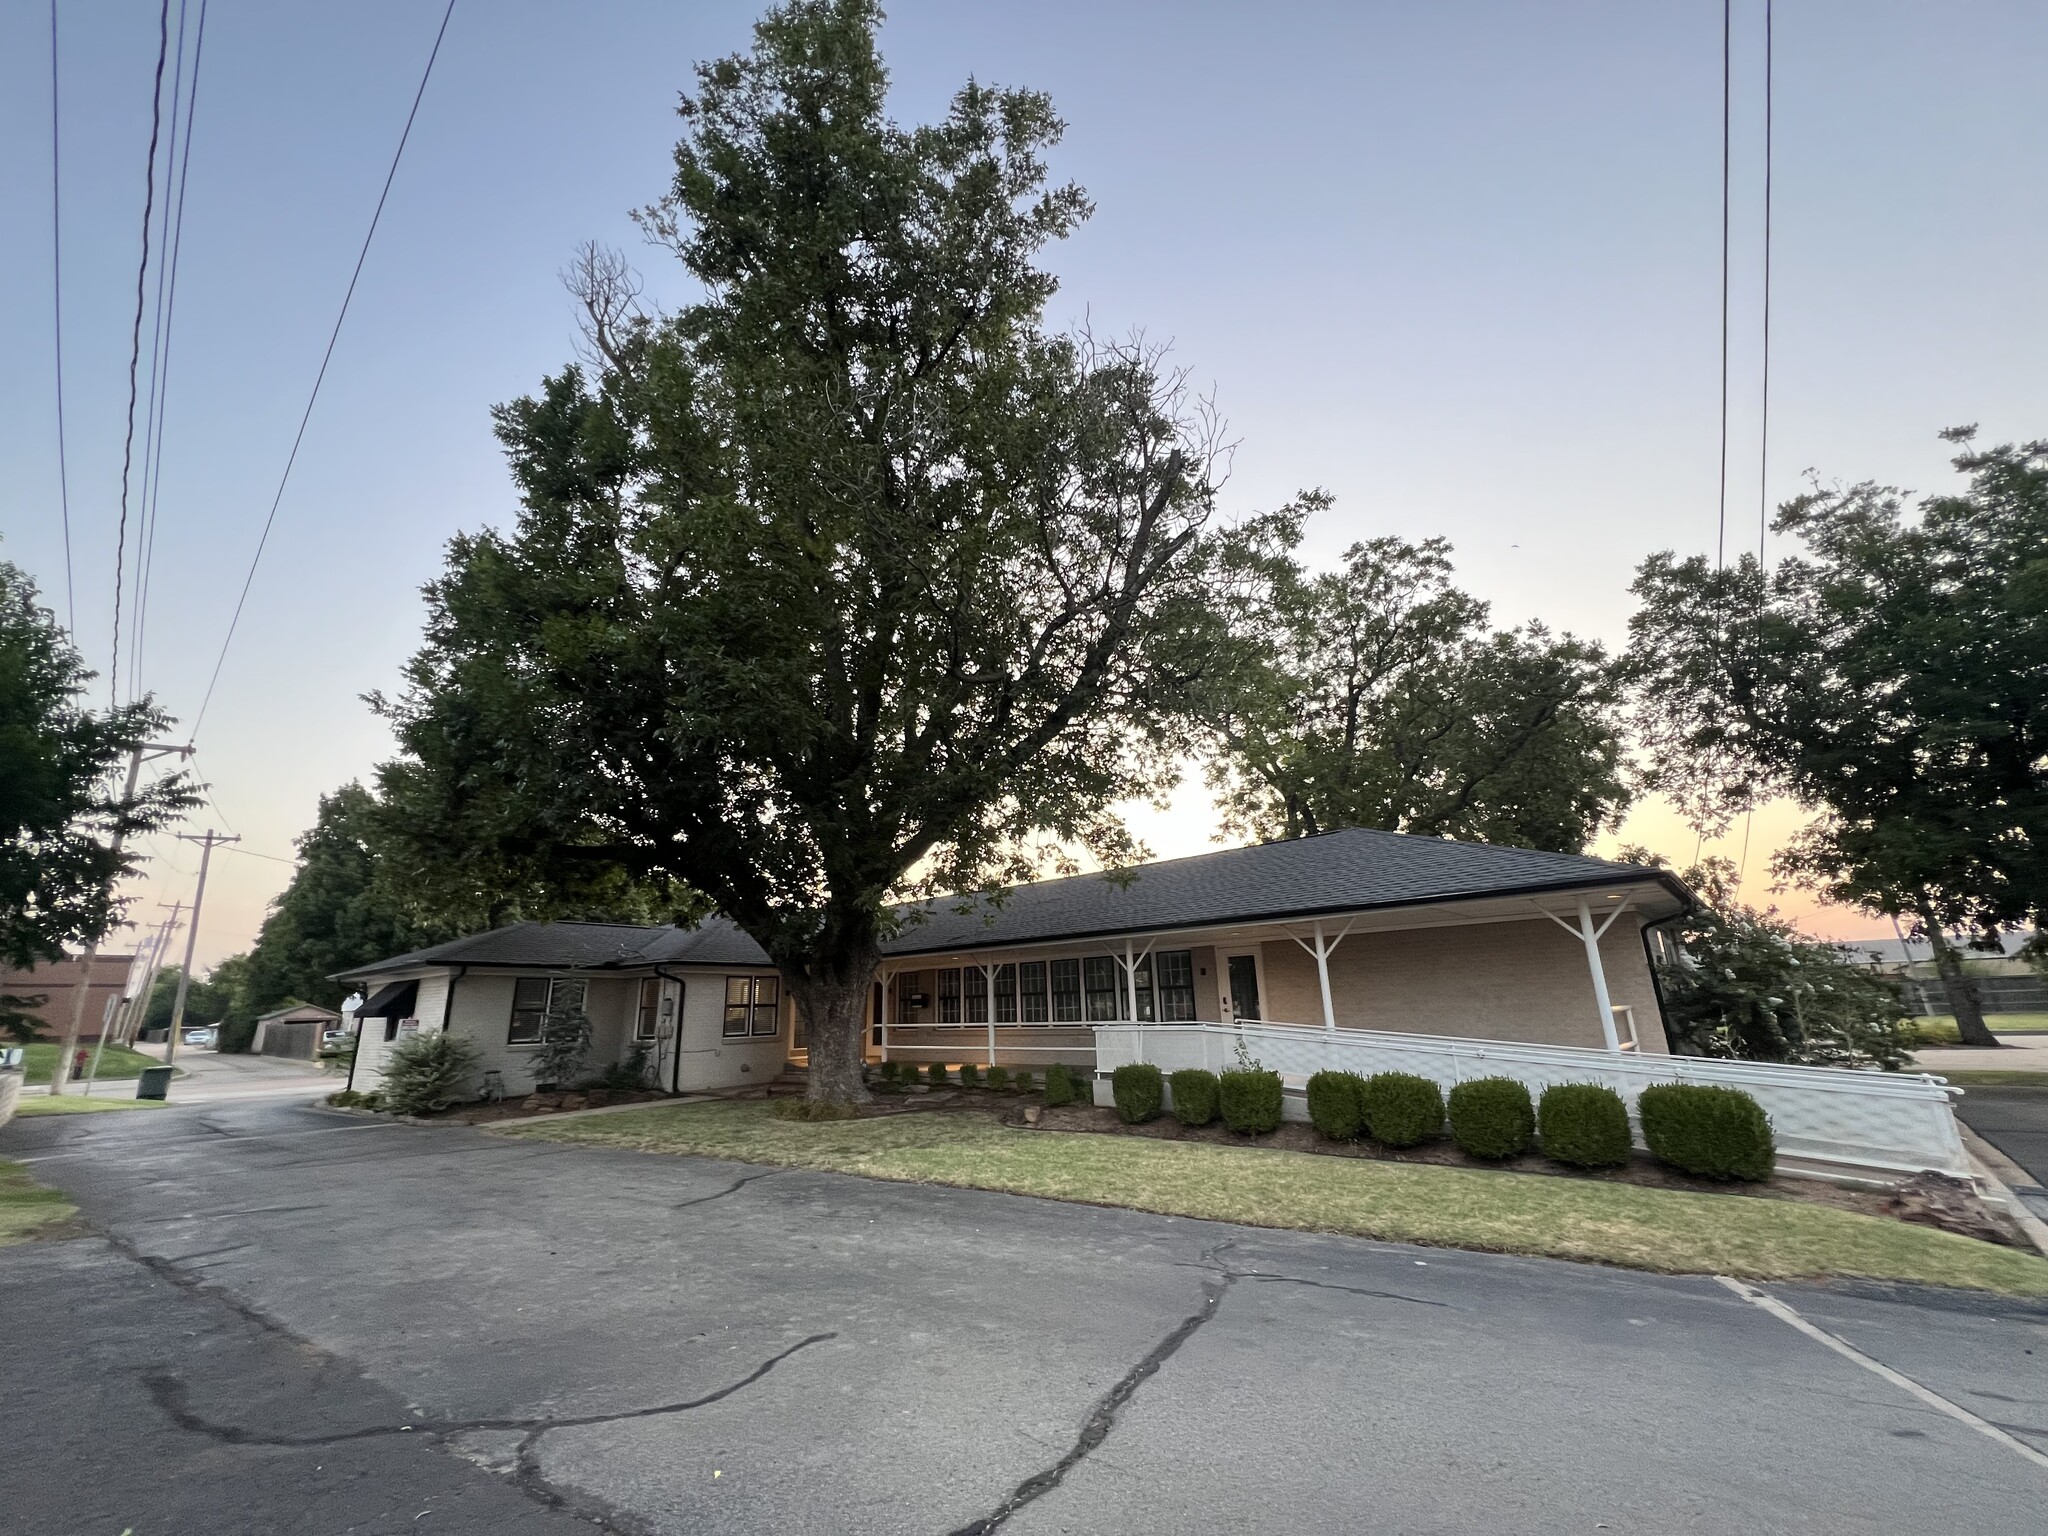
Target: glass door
1244 987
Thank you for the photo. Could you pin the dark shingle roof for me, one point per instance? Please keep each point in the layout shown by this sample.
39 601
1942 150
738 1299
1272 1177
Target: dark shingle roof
1348 871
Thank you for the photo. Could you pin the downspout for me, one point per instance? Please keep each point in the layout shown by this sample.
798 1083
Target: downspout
352 1055
1656 982
675 1039
447 1002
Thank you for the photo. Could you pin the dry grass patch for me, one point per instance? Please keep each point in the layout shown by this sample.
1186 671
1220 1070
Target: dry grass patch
28 1209
1612 1223
75 1104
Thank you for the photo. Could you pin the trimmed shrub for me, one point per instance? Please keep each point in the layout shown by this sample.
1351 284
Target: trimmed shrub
970 1075
1139 1090
1492 1117
424 1073
1022 1081
1401 1109
1060 1087
1194 1096
1333 1107
1583 1124
886 1072
1716 1133
935 1074
1250 1101
999 1079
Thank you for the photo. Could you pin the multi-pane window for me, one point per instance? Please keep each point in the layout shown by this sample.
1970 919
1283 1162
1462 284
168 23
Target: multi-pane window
1174 970
974 994
1066 991
1006 994
649 1010
1101 979
1031 998
752 1006
529 1010
949 997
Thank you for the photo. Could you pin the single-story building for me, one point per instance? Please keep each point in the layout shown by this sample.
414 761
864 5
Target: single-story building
293 1030
48 992
1349 931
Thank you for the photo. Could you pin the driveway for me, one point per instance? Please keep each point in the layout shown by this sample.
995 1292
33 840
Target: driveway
2014 1120
294 1320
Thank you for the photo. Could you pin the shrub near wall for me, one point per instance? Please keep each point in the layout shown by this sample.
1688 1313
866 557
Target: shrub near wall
1194 1096
1250 1101
1492 1117
1059 1085
1139 1090
1716 1133
1401 1109
1584 1125
1333 1107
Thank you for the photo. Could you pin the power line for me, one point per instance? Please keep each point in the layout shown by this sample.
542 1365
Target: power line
293 457
167 306
57 307
156 104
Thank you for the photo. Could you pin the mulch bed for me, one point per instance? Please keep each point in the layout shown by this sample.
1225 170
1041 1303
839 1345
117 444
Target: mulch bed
535 1104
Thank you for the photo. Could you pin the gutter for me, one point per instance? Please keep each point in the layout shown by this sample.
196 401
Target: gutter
675 1040
1650 960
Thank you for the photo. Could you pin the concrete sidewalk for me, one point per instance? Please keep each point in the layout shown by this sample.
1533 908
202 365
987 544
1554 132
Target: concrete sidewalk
205 1076
2016 1053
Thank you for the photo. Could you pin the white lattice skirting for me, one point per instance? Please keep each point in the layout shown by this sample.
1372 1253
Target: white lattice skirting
1884 1122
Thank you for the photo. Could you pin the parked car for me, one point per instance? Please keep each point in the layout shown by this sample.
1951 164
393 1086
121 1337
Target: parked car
335 1039
199 1037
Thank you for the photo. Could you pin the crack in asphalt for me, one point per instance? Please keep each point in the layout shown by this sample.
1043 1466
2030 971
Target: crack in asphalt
1331 1285
732 1188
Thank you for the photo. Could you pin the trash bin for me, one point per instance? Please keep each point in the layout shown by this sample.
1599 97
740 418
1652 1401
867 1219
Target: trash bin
154 1083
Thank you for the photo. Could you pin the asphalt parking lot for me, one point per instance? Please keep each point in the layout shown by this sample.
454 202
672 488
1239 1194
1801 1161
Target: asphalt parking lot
285 1319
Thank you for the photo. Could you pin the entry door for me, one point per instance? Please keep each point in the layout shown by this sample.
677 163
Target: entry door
1244 987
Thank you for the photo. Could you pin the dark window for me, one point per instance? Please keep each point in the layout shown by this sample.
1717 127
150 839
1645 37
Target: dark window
1031 992
767 1005
1006 994
529 1011
739 1003
752 1006
974 995
1104 982
650 1008
949 997
391 1026
1175 970
1066 991
1144 979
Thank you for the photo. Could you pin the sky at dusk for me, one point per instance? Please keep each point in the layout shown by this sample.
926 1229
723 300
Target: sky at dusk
1456 262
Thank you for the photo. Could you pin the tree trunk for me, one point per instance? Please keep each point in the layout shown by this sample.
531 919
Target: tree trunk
834 1009
1962 991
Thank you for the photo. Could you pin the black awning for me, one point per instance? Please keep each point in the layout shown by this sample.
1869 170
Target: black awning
393 1000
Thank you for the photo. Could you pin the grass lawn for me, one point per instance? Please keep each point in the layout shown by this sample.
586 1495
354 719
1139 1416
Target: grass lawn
116 1061
1940 1028
72 1104
26 1207
1623 1224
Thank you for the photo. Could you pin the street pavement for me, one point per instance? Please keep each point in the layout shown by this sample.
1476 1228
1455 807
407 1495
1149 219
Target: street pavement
206 1076
287 1319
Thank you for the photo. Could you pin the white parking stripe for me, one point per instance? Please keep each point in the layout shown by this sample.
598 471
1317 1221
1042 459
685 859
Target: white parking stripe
1847 1351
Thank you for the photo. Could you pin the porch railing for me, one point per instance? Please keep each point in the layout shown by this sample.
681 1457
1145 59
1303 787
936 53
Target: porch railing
974 1042
1892 1122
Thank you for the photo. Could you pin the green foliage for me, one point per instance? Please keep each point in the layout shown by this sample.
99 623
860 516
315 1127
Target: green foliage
1139 1090
1492 1117
848 577
1889 679
1250 1101
999 1079
1023 1080
565 1036
1716 1133
62 766
970 1075
935 1074
426 1072
1060 1087
625 1076
1334 1108
1375 695
1583 1124
1195 1096
347 1098
887 1071
1401 1109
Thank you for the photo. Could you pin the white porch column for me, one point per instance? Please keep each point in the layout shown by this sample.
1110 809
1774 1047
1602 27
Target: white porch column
1131 993
888 1009
1590 936
1322 954
988 973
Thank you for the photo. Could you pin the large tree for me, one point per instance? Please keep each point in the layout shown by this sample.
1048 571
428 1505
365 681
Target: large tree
62 806
1377 695
846 582
1893 680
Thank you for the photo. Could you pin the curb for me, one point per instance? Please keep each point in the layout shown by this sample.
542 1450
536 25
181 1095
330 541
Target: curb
1994 1169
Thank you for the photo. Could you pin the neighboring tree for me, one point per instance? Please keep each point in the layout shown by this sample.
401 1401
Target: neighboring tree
62 767
1376 695
1747 983
1892 682
847 582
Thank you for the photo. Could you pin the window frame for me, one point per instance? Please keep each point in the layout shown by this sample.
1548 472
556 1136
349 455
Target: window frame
1093 969
647 1009
513 1035
946 994
1034 1006
748 998
1066 968
1181 990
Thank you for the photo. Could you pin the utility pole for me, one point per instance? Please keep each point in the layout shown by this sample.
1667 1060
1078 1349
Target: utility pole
207 844
140 753
136 1008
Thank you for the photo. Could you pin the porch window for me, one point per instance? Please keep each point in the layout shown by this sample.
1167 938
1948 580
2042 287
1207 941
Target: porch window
752 1006
1174 970
529 1010
1143 973
1099 974
1031 997
949 996
1006 994
650 1008
974 994
1066 991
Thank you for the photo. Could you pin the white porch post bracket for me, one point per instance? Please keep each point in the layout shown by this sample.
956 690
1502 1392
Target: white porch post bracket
1591 936
1322 949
